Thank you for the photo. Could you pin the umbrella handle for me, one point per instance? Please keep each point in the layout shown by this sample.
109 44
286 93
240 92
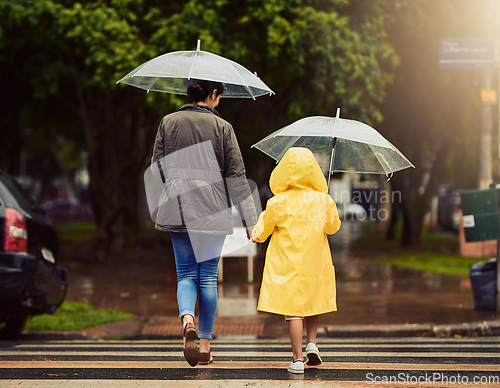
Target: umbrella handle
334 142
333 148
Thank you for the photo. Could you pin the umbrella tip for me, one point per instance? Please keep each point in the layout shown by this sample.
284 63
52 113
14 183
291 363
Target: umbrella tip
338 113
198 44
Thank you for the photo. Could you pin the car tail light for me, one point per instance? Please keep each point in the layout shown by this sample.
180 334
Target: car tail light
15 235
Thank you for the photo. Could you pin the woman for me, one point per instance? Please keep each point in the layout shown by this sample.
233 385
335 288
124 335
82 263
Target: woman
200 163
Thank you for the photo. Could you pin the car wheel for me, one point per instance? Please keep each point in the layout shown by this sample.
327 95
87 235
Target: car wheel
11 328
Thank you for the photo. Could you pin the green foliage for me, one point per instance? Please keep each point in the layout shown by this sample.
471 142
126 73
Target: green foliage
61 60
314 57
437 263
314 53
74 316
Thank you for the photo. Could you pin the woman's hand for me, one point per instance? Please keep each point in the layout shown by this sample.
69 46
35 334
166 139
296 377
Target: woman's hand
249 233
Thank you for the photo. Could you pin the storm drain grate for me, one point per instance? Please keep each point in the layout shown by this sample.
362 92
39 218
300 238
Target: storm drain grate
239 329
165 326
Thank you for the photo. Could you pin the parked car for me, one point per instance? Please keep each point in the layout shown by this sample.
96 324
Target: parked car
30 281
67 210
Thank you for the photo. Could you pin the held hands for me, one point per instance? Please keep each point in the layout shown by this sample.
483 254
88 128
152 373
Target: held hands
249 233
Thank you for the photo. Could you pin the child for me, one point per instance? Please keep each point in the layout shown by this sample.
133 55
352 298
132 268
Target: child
298 280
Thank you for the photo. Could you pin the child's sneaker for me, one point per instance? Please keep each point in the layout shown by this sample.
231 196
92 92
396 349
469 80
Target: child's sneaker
296 367
312 355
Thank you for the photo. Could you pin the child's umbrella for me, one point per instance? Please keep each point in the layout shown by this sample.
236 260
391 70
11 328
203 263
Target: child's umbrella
339 145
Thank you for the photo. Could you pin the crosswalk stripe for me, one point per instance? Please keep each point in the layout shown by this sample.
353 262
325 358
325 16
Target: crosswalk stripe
345 360
353 347
212 374
240 364
327 340
254 353
178 383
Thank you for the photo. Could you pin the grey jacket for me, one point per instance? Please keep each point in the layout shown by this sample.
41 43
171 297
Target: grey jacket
198 159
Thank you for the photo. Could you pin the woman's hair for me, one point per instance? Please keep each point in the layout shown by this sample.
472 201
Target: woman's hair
199 90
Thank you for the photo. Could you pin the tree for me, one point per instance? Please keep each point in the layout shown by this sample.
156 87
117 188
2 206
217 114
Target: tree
429 112
316 54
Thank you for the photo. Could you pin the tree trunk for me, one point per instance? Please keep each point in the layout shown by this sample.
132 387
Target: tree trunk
391 232
412 228
117 149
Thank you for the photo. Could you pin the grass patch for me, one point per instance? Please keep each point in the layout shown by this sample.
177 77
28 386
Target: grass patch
74 316
373 239
75 231
440 241
438 253
437 263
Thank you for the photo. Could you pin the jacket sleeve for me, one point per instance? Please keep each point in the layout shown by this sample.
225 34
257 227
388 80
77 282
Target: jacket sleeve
238 187
264 228
332 224
159 147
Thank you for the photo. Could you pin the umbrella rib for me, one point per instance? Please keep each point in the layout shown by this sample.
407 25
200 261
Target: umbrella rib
153 85
379 157
245 84
266 153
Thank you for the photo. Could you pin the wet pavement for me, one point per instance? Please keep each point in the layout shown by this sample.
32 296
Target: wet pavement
347 362
368 293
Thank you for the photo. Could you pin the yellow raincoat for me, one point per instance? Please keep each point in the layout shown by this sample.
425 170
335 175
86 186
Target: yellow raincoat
299 277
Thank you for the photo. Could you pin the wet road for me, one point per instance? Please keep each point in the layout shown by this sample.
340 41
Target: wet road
419 362
367 292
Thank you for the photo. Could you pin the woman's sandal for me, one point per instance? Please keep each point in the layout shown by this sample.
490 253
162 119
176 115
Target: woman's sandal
191 353
205 359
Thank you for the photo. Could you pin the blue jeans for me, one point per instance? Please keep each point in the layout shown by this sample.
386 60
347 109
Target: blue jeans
193 275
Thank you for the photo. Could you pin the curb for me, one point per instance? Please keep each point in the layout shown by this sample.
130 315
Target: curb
473 329
133 329
129 328
54 336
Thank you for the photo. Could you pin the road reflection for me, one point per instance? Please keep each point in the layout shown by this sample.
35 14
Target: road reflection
367 291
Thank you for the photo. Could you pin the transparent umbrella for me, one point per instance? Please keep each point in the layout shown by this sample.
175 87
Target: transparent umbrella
339 145
172 73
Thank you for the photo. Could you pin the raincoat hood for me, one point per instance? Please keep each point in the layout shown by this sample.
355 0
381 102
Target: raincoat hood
298 170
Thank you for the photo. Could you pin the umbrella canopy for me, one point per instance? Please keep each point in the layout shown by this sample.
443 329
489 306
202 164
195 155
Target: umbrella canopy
339 145
172 73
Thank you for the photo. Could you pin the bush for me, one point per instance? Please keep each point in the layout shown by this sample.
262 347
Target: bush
74 316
